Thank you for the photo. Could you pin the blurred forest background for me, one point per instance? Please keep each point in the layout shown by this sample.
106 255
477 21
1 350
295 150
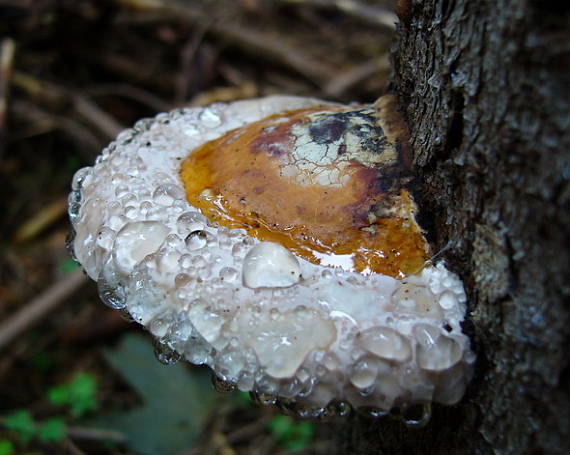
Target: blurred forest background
74 376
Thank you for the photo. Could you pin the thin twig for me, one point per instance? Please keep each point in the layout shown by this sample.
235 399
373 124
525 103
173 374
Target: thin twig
58 97
368 14
7 49
97 117
95 434
42 219
137 94
186 60
40 307
71 448
255 42
348 79
247 432
43 122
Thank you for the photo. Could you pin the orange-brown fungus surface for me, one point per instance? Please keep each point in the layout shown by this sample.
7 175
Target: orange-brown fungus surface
324 182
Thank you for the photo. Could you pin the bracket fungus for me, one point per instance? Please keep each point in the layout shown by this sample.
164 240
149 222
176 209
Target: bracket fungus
275 240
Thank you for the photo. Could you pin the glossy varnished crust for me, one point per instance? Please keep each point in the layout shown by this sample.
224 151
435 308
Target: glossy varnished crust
326 182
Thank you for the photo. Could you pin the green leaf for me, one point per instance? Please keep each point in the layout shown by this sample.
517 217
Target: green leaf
280 426
22 424
68 266
243 397
294 436
176 401
52 430
6 447
79 395
58 395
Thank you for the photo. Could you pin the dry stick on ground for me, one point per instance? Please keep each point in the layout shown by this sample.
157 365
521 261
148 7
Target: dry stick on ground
255 42
131 92
95 434
42 219
248 431
368 14
6 61
134 70
42 121
57 97
71 448
41 306
186 59
348 79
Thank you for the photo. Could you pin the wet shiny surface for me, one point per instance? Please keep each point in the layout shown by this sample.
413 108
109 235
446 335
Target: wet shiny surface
328 185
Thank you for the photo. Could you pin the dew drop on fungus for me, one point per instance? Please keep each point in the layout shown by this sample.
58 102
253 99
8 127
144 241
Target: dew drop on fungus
165 354
112 295
196 240
228 274
222 386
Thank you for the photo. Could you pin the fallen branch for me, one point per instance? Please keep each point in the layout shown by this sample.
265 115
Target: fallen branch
58 98
42 219
40 307
95 434
356 75
368 14
255 42
6 63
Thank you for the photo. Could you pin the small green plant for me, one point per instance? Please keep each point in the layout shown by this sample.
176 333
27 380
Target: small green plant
6 447
293 436
79 395
51 430
23 425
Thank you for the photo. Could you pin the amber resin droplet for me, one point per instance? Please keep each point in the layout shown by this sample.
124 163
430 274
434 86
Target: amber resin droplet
329 183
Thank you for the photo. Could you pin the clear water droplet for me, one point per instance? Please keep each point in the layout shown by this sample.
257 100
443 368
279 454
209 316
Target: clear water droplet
374 413
326 274
197 240
74 205
413 416
128 200
339 408
310 412
106 238
145 207
79 178
238 250
69 239
221 385
210 118
143 124
189 222
166 194
165 354
228 274
263 399
121 190
112 295
191 130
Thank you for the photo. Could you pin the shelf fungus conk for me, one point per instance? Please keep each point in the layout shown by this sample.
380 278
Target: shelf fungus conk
275 240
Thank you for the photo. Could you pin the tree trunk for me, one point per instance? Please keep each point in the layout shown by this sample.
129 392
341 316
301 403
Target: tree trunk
485 88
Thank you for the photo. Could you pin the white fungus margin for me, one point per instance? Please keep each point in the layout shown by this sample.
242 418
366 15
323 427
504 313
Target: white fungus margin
260 317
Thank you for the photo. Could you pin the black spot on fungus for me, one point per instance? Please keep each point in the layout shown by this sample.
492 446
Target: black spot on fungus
328 129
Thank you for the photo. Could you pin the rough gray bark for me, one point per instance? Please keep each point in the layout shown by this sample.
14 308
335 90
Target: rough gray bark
485 87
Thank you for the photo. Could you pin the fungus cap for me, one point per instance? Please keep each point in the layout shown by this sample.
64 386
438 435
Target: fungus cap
275 241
